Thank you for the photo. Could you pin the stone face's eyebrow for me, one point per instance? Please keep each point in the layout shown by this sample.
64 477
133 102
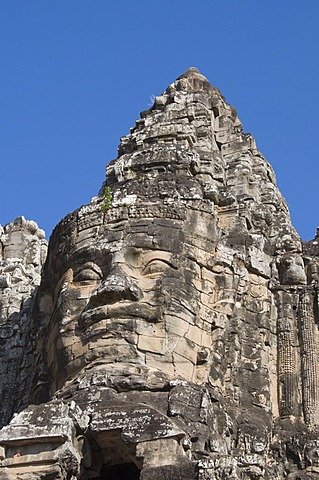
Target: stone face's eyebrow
92 254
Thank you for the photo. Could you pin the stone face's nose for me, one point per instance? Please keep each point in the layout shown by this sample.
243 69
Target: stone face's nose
116 287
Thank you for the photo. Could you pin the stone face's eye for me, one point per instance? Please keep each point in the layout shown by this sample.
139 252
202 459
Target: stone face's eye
88 273
155 268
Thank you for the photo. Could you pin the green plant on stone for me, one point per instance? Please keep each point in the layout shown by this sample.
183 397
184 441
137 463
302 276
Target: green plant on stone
107 199
142 178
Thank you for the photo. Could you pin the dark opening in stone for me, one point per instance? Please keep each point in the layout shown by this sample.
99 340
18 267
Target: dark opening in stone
125 471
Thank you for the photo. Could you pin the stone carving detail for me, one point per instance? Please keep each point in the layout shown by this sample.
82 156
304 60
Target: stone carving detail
22 254
288 357
174 333
309 358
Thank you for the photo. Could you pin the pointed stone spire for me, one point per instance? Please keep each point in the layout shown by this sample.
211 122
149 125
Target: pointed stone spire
193 72
191 130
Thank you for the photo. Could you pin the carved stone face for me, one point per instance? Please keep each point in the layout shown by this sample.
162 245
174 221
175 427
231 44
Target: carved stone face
129 300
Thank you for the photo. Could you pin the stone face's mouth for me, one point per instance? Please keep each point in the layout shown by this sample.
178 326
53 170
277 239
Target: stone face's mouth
121 310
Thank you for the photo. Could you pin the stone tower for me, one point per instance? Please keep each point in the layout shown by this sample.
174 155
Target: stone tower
174 333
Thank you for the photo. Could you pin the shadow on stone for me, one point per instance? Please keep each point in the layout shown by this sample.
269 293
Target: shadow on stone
126 471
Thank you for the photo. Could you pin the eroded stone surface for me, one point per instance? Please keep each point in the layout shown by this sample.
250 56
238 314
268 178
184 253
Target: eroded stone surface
176 329
22 253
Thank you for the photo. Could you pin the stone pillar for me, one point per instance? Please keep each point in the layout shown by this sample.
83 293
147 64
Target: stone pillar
309 358
287 358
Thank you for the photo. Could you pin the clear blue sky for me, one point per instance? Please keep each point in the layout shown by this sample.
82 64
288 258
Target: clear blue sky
76 73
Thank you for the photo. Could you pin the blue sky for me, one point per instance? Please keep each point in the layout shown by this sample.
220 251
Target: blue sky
76 73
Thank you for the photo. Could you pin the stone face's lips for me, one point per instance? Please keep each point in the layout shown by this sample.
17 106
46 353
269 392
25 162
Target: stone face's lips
124 310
